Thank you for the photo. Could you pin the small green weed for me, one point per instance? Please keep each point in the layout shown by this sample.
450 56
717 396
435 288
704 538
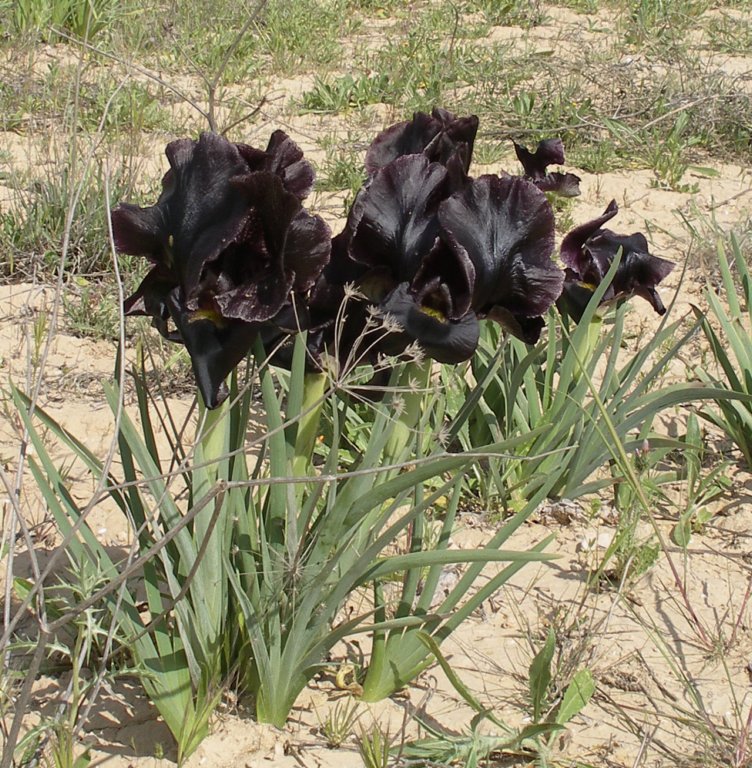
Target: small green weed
301 34
32 228
563 207
667 153
596 157
131 109
282 38
207 43
93 312
580 6
657 22
632 552
68 96
557 108
338 725
488 152
378 8
374 747
701 488
550 711
79 648
423 68
552 699
346 92
81 18
513 13
708 234
729 34
340 170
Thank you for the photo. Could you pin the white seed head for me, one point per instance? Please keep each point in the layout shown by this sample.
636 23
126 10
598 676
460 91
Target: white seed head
414 352
351 292
390 323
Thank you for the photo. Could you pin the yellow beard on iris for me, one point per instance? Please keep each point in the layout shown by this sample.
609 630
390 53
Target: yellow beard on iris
207 314
434 313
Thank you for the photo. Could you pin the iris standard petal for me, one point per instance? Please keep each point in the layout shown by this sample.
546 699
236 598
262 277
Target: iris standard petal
197 217
571 245
287 161
284 158
409 137
397 224
438 136
203 212
280 248
548 152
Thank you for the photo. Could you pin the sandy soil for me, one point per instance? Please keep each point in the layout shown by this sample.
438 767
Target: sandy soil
640 642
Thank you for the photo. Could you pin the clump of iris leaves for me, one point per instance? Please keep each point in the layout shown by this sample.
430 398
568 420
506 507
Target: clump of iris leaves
260 551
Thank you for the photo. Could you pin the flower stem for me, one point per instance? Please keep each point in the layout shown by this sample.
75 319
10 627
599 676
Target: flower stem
414 380
587 343
308 425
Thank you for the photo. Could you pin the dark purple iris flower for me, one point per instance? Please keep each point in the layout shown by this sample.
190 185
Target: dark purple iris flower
588 252
441 136
445 142
231 246
410 273
436 256
535 164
